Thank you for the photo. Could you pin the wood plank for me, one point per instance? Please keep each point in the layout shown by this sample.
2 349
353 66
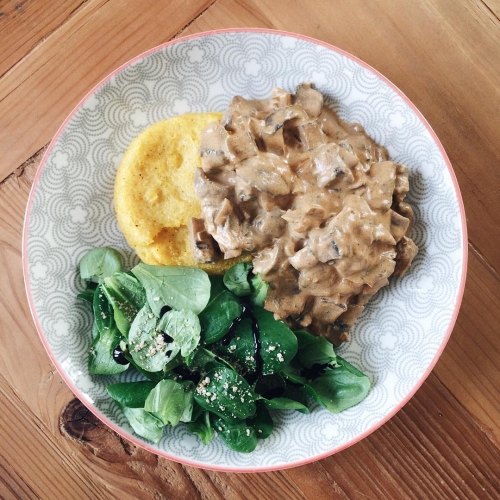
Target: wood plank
101 36
469 364
23 24
48 472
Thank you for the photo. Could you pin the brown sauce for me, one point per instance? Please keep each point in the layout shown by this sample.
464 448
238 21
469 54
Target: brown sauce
314 199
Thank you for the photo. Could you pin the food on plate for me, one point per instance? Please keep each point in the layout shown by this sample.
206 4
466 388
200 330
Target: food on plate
315 200
316 205
210 355
154 196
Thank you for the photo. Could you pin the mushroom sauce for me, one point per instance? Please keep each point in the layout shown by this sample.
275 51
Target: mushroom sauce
314 199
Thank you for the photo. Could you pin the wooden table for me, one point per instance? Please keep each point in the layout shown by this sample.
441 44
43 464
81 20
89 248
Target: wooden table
445 56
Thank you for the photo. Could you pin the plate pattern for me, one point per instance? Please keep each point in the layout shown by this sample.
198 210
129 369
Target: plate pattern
395 340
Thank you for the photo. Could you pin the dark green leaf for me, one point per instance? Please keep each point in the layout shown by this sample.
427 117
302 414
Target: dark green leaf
236 279
222 309
278 344
127 296
171 401
176 286
88 293
314 350
147 344
237 435
285 404
240 351
225 393
99 263
103 311
202 427
339 388
144 424
184 327
261 422
131 394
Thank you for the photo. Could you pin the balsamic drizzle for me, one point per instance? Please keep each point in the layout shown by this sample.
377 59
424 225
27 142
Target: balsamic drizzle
119 356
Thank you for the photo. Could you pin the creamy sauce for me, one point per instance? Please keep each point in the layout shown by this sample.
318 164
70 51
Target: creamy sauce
316 201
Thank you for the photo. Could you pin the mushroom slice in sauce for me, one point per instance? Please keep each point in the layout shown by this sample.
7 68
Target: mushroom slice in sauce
317 202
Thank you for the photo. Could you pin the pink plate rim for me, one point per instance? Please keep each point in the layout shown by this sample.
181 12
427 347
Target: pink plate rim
299 463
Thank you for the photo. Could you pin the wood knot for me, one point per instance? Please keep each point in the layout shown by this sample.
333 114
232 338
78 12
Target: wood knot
78 423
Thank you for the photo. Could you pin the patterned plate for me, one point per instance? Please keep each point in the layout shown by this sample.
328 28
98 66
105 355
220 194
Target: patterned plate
402 332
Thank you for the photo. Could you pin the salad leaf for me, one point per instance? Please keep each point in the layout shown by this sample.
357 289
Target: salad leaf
101 361
144 424
183 327
127 297
222 309
171 401
178 287
225 393
147 345
202 427
339 388
313 350
262 422
106 338
237 435
88 293
236 279
258 290
282 403
278 344
99 263
240 350
131 394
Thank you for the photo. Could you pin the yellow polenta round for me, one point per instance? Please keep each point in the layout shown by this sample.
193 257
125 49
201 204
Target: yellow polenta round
154 191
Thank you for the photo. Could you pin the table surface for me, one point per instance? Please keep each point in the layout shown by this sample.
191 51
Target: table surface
445 56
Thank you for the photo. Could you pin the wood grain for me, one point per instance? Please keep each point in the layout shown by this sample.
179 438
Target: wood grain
23 24
445 55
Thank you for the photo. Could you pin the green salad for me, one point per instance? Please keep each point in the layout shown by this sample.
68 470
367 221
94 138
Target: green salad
209 354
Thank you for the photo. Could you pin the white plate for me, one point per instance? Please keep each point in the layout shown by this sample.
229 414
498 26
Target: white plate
396 341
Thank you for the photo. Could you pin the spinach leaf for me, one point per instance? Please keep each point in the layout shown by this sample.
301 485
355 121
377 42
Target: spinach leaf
103 310
237 435
236 279
262 422
225 393
202 427
171 401
101 360
131 394
153 376
339 388
183 327
88 293
222 309
178 287
144 424
147 345
99 263
127 296
313 350
282 403
258 290
240 350
278 344
106 338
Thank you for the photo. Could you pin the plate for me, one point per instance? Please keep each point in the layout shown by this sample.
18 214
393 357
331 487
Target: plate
402 332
